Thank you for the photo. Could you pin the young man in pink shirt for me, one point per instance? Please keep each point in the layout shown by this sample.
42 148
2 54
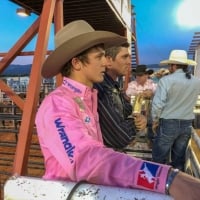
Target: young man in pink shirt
68 126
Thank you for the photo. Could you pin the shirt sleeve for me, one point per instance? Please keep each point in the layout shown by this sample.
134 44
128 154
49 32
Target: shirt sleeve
154 87
73 153
118 130
159 100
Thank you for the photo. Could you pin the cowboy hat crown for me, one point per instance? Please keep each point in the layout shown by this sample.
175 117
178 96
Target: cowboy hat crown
73 39
178 57
142 69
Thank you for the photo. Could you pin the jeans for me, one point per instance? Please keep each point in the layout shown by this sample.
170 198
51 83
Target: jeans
150 133
171 140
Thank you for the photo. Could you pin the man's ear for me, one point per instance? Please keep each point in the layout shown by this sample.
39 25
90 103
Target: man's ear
76 63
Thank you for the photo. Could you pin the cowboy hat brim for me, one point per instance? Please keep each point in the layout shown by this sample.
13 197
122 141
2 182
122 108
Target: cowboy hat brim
185 62
57 59
149 72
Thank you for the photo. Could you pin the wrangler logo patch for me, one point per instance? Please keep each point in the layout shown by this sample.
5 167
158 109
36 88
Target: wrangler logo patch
72 87
69 148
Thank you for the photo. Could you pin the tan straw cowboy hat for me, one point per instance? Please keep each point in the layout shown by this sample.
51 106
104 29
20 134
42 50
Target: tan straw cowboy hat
178 57
73 39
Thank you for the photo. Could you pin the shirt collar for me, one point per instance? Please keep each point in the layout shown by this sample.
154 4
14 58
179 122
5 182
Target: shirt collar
77 88
179 71
109 82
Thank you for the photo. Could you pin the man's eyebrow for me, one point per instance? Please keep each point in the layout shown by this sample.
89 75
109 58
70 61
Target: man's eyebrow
126 55
102 53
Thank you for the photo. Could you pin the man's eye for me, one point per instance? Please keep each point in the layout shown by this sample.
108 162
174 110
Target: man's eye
100 56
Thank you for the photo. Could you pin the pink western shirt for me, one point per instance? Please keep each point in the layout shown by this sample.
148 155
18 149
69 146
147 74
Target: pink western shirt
134 88
71 142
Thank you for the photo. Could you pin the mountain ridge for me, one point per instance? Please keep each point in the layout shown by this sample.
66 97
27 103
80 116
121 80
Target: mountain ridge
17 70
24 70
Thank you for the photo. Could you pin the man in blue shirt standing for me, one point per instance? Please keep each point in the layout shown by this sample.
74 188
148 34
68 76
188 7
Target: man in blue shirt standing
172 110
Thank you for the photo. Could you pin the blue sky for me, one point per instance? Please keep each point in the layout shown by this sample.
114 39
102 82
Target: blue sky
157 29
13 27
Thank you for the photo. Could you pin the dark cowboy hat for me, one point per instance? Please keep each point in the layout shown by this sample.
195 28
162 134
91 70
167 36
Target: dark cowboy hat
73 39
142 69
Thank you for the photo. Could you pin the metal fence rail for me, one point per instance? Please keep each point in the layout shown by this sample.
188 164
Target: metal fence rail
192 155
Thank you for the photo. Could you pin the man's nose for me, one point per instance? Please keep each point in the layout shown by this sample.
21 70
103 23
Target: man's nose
129 59
104 61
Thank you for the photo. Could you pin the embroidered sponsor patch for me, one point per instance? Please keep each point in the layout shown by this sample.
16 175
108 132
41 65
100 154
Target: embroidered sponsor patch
71 86
69 148
147 175
80 103
87 119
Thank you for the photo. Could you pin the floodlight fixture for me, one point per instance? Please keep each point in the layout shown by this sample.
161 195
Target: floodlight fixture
23 12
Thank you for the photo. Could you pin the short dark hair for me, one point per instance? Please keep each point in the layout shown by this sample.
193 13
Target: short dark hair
113 51
83 57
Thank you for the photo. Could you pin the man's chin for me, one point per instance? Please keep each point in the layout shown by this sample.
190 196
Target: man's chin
99 80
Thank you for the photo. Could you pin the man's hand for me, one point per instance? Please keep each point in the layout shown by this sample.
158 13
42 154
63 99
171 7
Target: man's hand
140 121
147 93
154 126
185 187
